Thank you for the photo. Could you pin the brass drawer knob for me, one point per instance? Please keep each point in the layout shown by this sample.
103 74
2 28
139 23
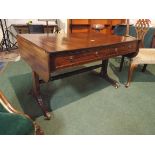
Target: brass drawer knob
116 49
71 58
96 53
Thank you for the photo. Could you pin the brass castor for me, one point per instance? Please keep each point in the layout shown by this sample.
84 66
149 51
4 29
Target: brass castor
47 116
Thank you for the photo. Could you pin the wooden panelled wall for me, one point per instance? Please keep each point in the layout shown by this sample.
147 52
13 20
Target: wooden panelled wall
85 25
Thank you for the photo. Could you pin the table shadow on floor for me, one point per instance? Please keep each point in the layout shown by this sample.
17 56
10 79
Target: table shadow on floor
58 93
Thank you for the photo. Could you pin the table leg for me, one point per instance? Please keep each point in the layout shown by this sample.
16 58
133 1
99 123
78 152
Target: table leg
105 75
37 94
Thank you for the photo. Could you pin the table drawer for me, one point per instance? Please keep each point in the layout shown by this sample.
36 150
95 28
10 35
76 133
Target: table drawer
75 59
90 55
127 48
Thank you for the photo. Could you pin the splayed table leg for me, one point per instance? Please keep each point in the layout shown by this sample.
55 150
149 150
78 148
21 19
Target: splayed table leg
105 75
36 92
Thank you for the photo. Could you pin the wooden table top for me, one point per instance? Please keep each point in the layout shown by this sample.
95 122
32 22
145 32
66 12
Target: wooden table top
69 42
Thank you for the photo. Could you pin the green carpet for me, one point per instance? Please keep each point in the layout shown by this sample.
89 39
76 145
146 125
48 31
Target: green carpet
85 103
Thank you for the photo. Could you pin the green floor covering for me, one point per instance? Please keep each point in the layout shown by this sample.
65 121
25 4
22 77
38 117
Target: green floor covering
85 103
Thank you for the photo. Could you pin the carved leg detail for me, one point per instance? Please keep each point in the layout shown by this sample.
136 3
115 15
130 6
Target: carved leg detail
104 74
40 102
36 92
130 73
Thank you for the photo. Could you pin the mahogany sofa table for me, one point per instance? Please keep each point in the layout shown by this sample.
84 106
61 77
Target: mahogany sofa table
47 53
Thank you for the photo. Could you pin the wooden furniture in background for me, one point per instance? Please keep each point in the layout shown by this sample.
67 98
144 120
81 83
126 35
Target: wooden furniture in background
23 28
145 55
35 28
141 29
85 25
107 25
47 24
53 52
79 25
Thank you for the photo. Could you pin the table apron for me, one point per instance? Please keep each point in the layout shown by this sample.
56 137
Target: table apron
84 56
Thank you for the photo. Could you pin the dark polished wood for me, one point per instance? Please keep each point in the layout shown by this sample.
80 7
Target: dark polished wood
37 94
48 53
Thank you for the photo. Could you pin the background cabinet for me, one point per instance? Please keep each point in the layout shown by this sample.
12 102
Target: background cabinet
23 28
85 25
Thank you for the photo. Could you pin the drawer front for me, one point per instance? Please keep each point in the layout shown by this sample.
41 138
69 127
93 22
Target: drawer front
127 48
68 59
75 59
22 30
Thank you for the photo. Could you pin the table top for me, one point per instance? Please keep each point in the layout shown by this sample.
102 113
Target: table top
53 43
